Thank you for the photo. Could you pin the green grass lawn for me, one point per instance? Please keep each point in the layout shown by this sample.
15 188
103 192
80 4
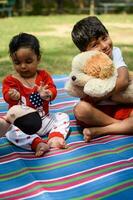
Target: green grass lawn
54 33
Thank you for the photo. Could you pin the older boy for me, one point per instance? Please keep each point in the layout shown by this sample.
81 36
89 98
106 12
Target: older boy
101 116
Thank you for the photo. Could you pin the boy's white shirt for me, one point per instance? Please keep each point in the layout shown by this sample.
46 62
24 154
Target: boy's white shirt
118 58
118 62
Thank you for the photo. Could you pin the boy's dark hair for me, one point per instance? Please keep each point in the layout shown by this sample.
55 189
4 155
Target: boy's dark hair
86 30
24 40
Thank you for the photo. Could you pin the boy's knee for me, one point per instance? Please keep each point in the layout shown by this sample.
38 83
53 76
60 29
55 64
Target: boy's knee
82 109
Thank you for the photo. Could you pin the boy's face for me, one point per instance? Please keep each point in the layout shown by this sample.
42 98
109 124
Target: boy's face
103 43
25 62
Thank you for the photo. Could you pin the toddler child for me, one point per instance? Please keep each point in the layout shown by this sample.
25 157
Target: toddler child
33 87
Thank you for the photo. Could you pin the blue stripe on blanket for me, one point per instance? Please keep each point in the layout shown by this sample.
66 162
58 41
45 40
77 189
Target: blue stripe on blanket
101 169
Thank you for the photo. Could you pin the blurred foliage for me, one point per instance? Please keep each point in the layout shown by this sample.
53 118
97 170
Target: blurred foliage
54 34
46 7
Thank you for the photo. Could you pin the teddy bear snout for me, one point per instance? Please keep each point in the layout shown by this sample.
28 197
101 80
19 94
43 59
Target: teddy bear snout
73 78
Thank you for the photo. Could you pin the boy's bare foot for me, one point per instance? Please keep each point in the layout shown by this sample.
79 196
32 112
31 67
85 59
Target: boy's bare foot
89 133
57 142
41 149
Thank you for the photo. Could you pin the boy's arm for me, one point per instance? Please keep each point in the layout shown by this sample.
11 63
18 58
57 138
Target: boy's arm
122 79
123 76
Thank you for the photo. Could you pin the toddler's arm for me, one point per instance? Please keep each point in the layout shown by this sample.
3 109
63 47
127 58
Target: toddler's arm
10 91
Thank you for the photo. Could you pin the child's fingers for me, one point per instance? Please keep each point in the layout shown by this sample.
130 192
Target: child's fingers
12 91
48 92
45 87
14 94
42 85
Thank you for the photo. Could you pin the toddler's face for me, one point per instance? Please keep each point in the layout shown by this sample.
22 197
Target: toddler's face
25 62
103 43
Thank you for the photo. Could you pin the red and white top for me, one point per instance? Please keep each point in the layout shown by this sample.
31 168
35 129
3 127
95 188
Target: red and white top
25 91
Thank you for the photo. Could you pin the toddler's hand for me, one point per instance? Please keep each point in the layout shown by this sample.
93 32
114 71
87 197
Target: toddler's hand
44 92
14 94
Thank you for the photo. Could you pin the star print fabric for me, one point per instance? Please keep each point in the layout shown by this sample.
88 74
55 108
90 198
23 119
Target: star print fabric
36 100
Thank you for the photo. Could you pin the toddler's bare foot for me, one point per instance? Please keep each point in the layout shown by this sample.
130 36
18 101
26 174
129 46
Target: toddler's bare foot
57 142
89 133
41 149
4 126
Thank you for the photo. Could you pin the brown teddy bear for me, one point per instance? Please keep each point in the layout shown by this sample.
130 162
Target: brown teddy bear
94 74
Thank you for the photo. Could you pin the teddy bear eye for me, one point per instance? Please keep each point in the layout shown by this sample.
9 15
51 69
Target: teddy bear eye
73 78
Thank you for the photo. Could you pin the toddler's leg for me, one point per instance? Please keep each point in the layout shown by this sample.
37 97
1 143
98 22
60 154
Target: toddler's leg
28 142
59 131
4 126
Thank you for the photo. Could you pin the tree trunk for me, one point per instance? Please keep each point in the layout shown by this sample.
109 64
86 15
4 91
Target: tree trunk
60 6
92 7
81 4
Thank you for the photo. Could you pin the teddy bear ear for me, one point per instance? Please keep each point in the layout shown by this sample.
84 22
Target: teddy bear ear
13 116
80 59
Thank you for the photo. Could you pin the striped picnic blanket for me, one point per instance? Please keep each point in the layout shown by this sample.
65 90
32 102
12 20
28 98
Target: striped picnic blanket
101 169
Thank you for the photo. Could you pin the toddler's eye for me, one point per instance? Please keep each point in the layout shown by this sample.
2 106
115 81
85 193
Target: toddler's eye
16 62
28 61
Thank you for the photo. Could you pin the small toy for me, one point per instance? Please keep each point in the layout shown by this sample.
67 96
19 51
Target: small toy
25 118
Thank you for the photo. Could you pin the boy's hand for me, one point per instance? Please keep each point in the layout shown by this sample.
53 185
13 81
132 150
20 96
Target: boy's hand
44 92
92 99
14 94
